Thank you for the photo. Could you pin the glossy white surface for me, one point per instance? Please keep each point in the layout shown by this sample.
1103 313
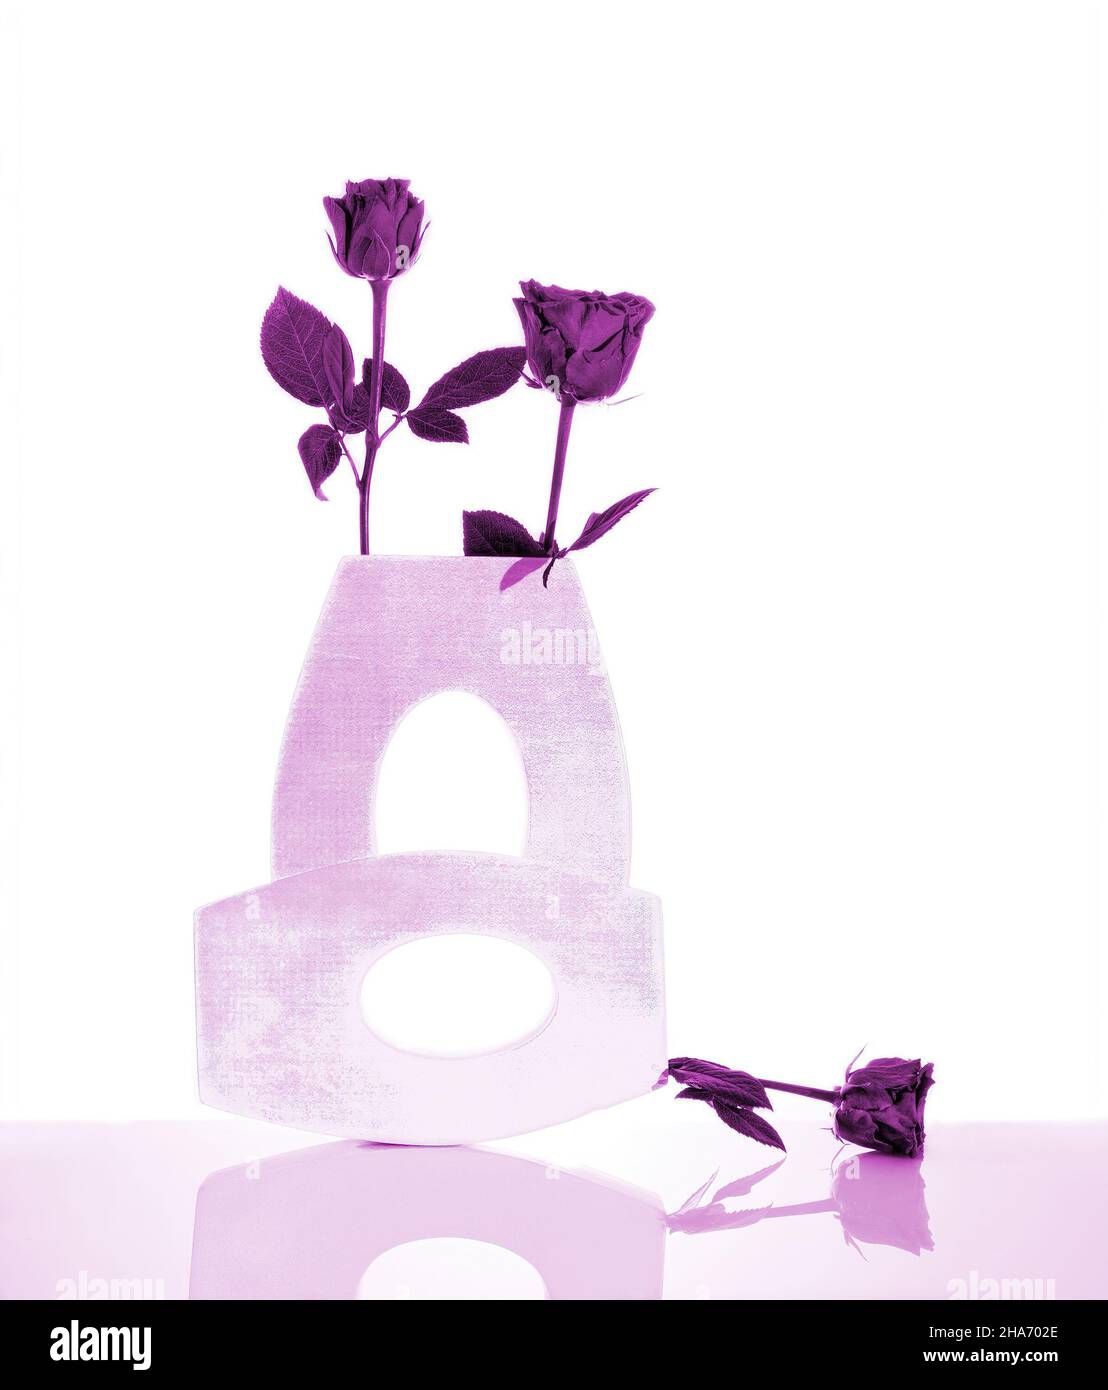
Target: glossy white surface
1010 1210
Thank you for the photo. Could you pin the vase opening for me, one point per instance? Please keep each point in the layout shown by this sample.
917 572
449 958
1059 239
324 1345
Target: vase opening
457 995
451 778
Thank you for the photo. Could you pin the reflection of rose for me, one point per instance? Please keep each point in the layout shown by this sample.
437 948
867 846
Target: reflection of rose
878 1200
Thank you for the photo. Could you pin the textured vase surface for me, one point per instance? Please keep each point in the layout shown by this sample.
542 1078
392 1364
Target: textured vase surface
280 968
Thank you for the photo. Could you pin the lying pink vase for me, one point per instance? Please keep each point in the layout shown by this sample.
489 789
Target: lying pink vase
280 1032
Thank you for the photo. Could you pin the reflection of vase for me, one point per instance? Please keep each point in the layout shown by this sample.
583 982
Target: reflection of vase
279 970
308 1224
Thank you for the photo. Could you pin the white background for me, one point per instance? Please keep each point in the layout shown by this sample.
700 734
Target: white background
854 637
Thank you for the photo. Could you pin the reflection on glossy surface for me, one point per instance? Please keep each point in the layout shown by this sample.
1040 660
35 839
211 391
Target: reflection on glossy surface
90 1211
316 1224
445 1267
1016 1208
878 1200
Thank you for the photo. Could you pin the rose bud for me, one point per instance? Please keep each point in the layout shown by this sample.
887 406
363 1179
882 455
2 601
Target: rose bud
378 226
581 344
880 1106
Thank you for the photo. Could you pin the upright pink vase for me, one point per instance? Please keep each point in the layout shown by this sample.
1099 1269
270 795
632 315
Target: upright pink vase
279 970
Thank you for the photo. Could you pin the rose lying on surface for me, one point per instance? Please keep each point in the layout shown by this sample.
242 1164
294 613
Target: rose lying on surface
378 227
879 1106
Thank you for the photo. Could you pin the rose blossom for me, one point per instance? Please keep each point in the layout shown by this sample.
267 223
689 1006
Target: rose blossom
580 343
378 227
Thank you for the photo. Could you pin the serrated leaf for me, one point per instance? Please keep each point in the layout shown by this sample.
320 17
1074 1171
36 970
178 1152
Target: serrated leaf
694 1093
439 426
600 523
292 347
479 378
338 369
520 570
494 533
748 1122
739 1087
320 450
356 419
396 394
677 1064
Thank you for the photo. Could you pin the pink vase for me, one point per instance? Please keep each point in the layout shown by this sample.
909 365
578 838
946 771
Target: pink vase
279 970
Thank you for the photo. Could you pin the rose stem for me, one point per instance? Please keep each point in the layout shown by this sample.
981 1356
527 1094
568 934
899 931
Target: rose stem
565 419
806 1208
380 290
349 455
810 1091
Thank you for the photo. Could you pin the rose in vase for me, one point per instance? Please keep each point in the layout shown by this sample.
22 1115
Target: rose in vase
581 345
377 231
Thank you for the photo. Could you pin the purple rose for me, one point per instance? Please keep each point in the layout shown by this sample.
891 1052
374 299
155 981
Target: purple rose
880 1106
581 344
378 226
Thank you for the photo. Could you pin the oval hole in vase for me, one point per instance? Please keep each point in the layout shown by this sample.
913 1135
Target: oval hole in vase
450 1267
451 779
457 995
